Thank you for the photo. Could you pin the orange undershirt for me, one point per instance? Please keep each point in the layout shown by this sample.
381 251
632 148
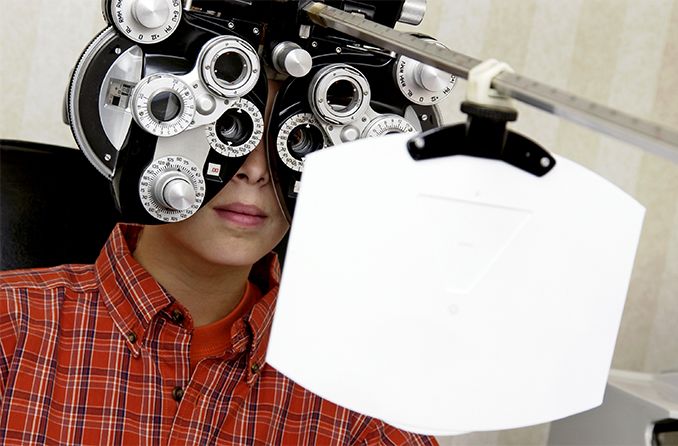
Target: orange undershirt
213 339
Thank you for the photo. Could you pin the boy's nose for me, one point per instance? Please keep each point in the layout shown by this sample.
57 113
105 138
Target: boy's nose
255 169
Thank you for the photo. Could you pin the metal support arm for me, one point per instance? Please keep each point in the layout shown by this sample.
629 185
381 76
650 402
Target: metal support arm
652 137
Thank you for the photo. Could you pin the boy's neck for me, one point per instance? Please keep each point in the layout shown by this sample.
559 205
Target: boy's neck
208 291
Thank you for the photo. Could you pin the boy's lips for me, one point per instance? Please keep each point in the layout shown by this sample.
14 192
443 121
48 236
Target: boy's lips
241 214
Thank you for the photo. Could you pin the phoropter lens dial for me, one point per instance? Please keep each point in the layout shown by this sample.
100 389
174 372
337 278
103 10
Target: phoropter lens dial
229 66
299 135
145 21
420 83
238 131
163 105
386 125
339 94
172 188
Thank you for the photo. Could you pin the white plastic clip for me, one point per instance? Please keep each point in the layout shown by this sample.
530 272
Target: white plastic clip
479 89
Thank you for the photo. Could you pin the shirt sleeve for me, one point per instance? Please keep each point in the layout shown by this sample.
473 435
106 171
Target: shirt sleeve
379 433
8 333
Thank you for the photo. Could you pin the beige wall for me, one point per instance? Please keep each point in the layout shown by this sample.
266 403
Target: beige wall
623 53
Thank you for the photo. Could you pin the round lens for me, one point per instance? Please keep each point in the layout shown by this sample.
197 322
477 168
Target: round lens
230 67
342 96
234 127
165 106
304 139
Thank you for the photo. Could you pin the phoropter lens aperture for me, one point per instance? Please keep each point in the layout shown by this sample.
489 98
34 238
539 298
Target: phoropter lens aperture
230 68
165 106
304 139
238 131
298 136
342 96
234 127
339 94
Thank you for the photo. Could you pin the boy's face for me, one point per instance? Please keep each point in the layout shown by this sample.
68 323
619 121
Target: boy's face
242 223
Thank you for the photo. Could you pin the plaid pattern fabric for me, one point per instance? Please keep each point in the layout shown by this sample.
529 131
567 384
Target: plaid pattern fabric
95 354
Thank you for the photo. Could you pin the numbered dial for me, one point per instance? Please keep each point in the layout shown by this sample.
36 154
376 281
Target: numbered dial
421 83
299 135
172 189
386 125
146 21
238 131
163 105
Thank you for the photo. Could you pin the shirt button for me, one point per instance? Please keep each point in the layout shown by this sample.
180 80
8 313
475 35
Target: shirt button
254 368
132 337
177 316
177 393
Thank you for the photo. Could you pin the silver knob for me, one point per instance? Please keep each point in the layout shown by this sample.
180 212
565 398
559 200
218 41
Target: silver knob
413 12
174 190
349 133
179 194
205 104
431 78
290 58
151 13
420 83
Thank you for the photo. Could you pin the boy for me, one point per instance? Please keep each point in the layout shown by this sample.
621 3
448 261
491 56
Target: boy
163 339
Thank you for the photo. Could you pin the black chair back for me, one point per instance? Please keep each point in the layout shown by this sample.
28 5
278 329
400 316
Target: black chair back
55 207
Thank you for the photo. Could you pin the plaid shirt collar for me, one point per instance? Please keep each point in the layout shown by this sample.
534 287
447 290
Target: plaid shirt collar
134 298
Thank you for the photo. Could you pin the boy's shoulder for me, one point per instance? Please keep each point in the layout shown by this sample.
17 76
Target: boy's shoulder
75 277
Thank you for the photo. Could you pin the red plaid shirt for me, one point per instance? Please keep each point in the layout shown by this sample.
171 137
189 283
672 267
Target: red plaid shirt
99 354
